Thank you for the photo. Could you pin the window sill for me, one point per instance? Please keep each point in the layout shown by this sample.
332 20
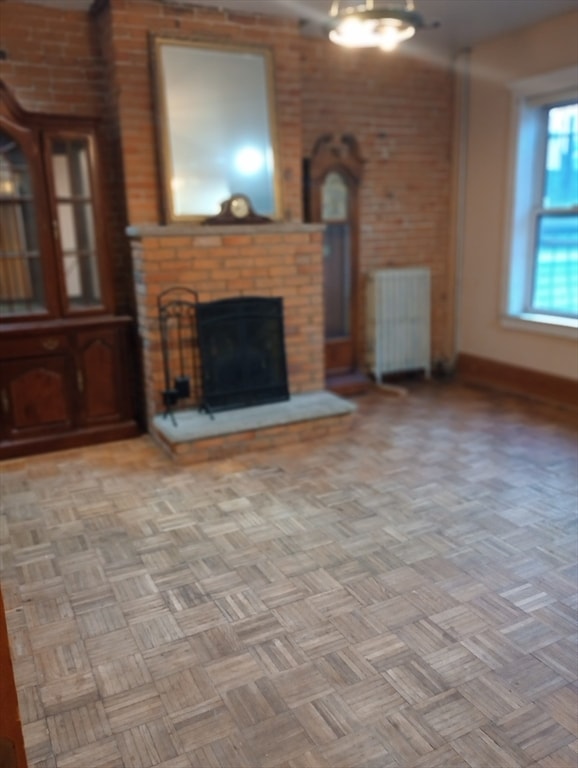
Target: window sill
563 327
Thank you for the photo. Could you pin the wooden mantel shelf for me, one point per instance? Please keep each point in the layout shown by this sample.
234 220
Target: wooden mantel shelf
142 231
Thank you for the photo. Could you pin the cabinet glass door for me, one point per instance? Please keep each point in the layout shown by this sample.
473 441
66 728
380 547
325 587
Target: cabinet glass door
21 274
75 222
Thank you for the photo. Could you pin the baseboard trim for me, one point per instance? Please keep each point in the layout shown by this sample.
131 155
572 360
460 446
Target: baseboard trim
536 385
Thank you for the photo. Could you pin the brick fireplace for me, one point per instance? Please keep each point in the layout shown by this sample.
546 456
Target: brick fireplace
270 260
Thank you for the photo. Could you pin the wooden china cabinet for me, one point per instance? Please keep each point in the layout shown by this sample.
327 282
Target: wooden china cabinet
65 356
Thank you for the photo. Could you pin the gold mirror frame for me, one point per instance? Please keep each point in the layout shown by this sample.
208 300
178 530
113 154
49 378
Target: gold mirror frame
216 128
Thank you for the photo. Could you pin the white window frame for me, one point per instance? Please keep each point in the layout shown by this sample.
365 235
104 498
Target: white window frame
528 140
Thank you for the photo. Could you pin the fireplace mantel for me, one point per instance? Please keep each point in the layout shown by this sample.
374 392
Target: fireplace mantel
141 231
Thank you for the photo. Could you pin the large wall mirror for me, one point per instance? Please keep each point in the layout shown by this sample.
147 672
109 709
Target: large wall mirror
216 128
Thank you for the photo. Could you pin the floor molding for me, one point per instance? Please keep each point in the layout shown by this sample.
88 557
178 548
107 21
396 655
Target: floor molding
536 385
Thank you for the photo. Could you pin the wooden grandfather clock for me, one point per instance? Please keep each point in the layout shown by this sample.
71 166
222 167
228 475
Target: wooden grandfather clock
332 198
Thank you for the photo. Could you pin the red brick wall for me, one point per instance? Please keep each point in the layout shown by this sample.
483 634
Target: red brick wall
220 265
52 63
400 111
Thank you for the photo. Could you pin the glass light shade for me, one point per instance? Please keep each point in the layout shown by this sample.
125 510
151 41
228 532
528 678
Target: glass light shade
367 27
392 32
354 32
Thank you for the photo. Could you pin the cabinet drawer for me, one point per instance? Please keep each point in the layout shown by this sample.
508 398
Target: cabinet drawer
29 346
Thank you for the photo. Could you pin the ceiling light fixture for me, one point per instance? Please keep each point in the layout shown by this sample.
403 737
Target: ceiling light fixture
370 26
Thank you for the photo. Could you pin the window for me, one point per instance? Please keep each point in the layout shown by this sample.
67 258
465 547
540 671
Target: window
554 283
543 245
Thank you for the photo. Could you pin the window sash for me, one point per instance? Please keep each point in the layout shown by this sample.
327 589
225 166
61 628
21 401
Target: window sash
551 271
554 274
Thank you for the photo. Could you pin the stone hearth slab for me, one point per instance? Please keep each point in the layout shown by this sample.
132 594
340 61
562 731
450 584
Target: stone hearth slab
192 425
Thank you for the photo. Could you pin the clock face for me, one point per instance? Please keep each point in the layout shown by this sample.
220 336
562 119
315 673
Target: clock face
239 207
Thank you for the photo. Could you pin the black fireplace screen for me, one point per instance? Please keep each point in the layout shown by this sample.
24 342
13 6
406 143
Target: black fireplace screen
242 348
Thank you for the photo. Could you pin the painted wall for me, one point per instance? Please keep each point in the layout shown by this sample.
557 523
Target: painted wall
529 52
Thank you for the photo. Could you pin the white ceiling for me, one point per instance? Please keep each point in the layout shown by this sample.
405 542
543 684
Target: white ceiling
463 23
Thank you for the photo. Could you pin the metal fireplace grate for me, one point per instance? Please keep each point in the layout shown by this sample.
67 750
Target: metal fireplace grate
242 350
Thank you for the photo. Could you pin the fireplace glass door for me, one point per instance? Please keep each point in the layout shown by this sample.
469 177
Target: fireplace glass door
242 349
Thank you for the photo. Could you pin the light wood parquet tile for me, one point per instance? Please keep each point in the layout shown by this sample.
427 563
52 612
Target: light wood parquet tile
345 668
307 760
327 719
566 757
484 747
301 685
372 699
363 749
492 648
60 661
230 750
74 728
201 726
444 757
149 744
561 656
384 651
404 596
104 753
491 696
121 674
279 655
562 704
415 680
534 731
25 671
451 715
129 709
31 707
408 736
69 692
455 665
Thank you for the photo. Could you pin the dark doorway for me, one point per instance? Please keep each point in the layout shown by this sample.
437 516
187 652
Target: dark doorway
242 348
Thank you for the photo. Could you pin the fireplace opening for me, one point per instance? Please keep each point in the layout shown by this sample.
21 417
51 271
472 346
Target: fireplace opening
242 351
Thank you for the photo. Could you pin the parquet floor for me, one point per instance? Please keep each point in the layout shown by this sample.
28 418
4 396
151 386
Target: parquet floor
404 597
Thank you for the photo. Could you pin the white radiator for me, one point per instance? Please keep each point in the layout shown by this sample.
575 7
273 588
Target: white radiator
398 320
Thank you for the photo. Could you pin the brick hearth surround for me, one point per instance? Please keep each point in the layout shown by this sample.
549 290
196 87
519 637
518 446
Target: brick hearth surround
247 260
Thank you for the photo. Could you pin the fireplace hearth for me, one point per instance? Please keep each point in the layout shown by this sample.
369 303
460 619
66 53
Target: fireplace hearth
242 351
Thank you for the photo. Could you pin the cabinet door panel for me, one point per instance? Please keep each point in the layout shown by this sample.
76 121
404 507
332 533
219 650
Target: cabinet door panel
37 394
103 384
